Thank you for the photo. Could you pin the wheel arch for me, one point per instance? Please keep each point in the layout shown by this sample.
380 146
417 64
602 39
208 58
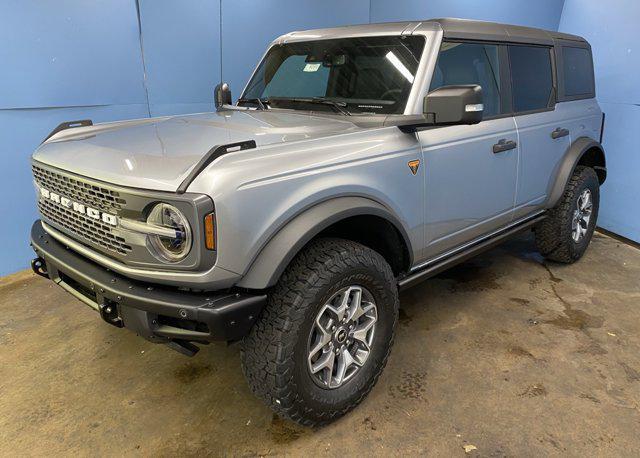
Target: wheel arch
583 151
326 218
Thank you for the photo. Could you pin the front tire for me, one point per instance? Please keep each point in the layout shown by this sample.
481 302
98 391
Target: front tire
565 235
326 333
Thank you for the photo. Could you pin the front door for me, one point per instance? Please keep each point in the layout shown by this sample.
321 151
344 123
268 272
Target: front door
470 171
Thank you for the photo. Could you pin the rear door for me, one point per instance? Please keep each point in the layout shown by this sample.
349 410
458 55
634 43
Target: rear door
543 131
470 181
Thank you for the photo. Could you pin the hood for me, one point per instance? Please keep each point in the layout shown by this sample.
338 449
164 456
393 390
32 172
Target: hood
158 153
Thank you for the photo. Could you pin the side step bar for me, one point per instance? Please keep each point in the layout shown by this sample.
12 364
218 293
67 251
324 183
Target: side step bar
431 270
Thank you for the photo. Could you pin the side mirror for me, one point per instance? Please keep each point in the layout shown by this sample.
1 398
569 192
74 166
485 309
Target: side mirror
222 95
449 105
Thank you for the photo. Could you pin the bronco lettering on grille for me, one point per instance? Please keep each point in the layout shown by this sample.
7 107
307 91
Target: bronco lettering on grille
78 207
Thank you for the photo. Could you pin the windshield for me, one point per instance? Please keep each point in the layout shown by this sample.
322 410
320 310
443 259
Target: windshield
363 75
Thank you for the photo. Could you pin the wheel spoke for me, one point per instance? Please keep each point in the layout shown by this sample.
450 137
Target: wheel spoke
323 339
361 331
326 361
361 353
344 361
358 307
341 310
585 200
356 303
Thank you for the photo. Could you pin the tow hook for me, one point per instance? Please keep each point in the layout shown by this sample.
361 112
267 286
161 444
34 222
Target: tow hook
109 313
39 267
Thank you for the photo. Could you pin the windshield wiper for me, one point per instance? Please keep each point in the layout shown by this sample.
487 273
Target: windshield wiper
337 106
262 104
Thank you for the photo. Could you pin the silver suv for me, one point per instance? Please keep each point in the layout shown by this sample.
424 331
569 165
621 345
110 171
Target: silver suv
357 162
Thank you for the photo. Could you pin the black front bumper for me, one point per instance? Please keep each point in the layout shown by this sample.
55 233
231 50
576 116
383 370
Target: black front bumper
158 313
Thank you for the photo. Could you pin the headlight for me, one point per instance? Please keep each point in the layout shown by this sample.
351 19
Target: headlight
171 246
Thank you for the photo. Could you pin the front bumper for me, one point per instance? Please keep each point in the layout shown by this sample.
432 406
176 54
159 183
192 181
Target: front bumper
158 313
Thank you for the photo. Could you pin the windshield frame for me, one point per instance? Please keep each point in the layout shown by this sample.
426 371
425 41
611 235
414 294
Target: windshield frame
416 87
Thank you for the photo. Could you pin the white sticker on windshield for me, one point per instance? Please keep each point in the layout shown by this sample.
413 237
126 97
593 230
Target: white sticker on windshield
312 67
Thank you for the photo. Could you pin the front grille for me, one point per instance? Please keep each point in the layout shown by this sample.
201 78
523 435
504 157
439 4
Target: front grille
89 194
78 224
89 229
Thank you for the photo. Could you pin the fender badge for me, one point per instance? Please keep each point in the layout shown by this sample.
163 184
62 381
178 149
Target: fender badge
413 165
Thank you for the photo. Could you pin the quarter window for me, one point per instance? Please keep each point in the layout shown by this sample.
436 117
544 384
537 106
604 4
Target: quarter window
470 63
578 71
531 77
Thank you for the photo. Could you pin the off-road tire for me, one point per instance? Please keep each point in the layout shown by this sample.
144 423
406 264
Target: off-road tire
553 235
274 354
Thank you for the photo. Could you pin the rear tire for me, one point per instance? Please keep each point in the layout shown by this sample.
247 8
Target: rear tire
336 297
565 234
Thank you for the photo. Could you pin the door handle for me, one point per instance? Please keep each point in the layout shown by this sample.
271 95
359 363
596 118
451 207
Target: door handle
504 145
559 132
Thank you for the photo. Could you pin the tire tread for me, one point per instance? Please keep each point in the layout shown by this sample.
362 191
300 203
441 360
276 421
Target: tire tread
553 235
266 351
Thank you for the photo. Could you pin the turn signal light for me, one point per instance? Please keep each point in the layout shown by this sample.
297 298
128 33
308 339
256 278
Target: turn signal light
209 232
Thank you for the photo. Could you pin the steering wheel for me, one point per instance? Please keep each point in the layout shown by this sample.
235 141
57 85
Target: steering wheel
389 92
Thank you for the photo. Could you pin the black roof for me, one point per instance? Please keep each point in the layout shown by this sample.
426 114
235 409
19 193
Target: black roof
493 31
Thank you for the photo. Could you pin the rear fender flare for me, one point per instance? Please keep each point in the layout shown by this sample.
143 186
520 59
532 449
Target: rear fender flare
567 165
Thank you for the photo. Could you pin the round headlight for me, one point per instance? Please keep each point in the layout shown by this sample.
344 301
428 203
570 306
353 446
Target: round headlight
171 247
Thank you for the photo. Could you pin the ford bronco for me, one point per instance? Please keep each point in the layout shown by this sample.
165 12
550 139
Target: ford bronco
357 162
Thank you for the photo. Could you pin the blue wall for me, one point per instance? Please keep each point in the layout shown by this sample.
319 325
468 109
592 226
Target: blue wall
122 59
60 61
612 29
534 13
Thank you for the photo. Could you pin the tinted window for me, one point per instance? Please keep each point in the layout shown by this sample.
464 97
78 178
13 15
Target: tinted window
470 63
296 78
578 71
365 74
531 77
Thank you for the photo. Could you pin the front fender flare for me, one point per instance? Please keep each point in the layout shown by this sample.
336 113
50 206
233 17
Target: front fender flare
567 165
278 252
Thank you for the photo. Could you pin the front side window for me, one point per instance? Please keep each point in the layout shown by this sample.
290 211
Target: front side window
363 74
532 80
577 68
470 63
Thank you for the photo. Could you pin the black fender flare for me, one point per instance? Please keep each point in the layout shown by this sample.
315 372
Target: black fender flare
567 165
278 252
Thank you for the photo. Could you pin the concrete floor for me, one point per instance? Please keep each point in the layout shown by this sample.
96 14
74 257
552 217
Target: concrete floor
503 353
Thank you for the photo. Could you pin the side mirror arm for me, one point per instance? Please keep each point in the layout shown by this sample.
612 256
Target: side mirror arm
222 95
410 123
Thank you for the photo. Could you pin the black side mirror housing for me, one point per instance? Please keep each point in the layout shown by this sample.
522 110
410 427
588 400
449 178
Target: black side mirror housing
450 105
446 106
222 95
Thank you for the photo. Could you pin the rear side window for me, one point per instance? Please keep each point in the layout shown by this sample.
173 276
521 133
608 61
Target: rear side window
470 63
578 71
531 76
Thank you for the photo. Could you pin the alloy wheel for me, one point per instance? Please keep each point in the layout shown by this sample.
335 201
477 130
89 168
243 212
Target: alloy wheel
581 216
341 337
